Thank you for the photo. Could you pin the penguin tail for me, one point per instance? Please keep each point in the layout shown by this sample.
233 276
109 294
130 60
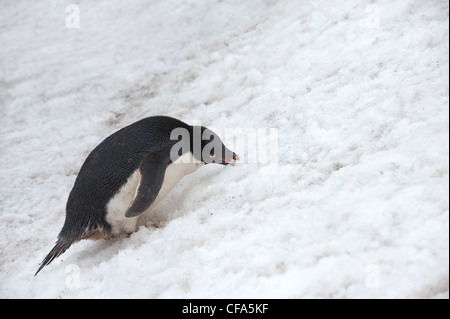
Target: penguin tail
61 246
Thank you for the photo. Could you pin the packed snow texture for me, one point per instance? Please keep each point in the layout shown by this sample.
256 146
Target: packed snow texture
357 205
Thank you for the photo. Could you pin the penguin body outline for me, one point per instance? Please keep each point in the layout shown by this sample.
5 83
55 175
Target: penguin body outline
124 177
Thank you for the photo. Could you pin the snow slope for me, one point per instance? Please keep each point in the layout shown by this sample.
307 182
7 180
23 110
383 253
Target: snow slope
357 206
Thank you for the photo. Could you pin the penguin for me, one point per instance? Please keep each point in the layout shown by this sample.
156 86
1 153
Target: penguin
130 172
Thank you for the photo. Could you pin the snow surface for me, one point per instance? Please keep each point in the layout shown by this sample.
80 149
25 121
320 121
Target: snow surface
358 206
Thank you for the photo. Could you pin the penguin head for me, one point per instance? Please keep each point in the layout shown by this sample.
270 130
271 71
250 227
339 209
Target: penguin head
213 150
204 145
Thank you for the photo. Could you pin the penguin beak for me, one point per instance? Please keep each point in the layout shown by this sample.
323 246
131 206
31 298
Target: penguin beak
227 161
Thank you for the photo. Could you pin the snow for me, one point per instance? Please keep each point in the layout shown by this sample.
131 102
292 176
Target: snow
357 205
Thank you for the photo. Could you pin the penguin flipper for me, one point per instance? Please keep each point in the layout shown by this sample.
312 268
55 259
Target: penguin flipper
151 170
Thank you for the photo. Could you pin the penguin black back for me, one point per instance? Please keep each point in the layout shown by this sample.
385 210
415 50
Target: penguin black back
100 177
107 167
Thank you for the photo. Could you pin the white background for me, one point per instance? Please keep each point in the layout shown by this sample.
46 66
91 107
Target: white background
357 207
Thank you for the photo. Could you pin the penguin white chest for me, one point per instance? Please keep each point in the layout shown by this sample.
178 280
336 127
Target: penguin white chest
121 201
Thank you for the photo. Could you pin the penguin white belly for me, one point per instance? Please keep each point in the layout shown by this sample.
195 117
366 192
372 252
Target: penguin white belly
121 201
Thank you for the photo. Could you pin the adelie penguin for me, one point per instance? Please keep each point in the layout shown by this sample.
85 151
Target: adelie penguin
130 172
